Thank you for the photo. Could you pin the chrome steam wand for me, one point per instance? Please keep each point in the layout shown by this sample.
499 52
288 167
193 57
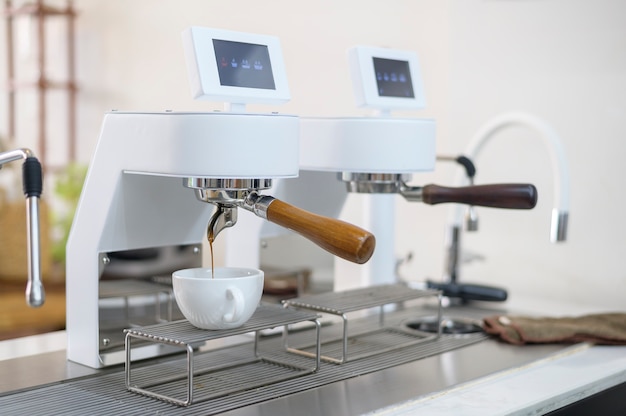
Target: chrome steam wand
32 184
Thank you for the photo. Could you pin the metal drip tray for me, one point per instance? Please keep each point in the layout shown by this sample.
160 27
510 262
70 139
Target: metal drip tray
214 374
363 336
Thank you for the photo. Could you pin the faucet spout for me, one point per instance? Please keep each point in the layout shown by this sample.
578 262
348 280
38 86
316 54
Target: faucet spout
560 212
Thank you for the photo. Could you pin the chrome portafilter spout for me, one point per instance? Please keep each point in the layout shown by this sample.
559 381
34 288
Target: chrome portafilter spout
32 184
374 183
223 217
227 195
335 236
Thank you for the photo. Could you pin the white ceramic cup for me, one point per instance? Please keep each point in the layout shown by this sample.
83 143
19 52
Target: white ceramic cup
225 301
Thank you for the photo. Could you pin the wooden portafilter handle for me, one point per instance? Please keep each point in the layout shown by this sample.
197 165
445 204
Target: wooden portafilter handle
335 236
338 237
505 195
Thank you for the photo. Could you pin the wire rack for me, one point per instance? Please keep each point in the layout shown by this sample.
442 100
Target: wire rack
363 340
209 375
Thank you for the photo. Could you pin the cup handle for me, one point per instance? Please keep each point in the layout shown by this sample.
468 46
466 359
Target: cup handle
238 307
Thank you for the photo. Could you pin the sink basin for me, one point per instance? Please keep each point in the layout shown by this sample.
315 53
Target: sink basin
449 325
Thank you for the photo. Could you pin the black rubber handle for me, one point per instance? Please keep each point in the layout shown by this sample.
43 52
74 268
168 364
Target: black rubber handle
469 291
32 177
504 195
470 169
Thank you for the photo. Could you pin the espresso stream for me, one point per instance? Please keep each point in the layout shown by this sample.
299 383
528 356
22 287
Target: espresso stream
211 238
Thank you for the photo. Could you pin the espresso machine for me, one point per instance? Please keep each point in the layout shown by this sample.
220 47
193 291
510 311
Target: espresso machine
158 179
376 157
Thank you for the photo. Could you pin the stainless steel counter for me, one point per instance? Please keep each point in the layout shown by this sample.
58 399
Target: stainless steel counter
488 377
393 387
353 396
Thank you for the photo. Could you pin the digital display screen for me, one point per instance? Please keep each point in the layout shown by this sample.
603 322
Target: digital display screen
243 65
393 78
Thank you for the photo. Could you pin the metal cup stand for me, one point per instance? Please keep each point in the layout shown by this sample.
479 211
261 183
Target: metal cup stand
207 375
367 341
204 376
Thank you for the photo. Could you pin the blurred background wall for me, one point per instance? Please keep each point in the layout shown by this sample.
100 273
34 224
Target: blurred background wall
561 60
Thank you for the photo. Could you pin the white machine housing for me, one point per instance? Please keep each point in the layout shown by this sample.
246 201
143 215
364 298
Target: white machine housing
380 144
133 196
367 144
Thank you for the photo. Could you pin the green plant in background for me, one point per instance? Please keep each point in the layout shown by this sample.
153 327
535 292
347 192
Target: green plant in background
67 188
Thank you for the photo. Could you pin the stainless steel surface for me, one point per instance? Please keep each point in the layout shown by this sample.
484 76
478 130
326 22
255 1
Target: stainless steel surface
129 302
411 193
374 183
105 391
125 289
228 197
453 255
471 219
13 155
398 384
208 378
558 225
447 325
350 389
258 204
223 217
37 370
229 191
228 184
35 294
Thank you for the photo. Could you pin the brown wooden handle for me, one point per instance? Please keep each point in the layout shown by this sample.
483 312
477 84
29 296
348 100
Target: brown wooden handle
505 195
335 236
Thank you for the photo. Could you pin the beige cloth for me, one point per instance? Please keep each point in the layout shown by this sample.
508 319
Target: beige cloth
604 328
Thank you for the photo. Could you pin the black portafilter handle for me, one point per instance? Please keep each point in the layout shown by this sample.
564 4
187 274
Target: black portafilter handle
467 292
504 195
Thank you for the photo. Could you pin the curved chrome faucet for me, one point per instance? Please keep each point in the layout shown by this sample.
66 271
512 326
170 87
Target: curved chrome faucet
32 186
560 212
